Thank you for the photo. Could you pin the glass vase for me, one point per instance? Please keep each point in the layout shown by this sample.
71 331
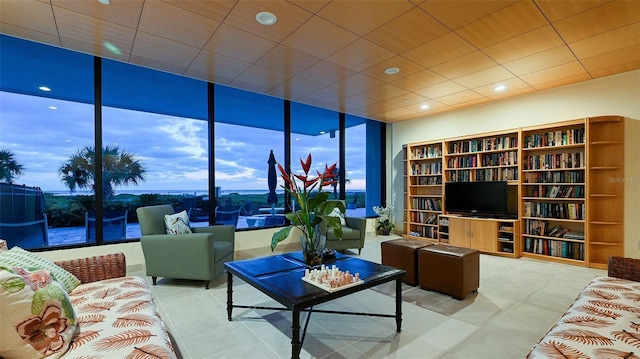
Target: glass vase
312 251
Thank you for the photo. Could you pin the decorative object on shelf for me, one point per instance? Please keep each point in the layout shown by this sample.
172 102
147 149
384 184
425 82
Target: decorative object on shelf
314 208
384 225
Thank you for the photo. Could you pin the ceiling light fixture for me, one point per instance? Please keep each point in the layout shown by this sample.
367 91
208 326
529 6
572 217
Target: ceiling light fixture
500 88
44 88
112 48
104 2
266 18
53 108
424 107
391 70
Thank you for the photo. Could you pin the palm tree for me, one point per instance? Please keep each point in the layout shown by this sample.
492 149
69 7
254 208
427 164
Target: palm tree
9 167
119 168
336 172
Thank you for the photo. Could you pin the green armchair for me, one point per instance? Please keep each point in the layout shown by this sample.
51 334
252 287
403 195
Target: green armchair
198 256
353 234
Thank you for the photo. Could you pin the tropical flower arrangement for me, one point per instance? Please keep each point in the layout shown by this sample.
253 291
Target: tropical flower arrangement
384 219
313 202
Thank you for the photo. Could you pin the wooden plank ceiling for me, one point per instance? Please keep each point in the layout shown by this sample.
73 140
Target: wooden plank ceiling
332 54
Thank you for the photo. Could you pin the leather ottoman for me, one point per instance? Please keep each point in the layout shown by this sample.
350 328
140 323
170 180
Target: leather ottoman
402 253
448 269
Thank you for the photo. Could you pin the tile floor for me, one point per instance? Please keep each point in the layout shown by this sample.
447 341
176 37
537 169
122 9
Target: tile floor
517 302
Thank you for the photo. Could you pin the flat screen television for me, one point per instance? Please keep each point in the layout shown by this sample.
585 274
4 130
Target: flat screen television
485 199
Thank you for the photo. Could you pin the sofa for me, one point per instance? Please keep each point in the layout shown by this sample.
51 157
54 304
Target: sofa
106 315
603 321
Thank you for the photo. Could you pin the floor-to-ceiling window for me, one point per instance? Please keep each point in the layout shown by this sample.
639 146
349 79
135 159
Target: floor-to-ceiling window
150 134
248 127
315 131
46 116
155 146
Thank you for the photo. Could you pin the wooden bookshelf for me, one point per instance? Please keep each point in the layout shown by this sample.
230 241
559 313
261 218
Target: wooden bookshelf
606 188
572 177
553 188
424 190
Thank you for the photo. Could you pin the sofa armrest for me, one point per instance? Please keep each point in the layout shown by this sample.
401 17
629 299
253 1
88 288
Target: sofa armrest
220 232
93 269
624 268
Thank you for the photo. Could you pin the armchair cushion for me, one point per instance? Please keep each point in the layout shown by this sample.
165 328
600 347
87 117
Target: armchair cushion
177 223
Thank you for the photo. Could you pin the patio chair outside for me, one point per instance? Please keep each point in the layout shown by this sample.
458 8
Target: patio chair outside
114 225
228 217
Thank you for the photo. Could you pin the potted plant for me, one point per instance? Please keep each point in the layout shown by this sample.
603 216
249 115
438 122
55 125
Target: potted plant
314 207
384 225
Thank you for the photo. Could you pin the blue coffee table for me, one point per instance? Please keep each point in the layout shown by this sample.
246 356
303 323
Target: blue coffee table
280 278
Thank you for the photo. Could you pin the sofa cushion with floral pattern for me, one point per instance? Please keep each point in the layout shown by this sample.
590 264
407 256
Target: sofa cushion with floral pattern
117 318
36 316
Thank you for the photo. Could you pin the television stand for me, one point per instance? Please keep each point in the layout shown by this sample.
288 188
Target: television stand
490 235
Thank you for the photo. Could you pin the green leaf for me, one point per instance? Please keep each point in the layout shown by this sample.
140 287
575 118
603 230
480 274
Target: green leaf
280 236
14 285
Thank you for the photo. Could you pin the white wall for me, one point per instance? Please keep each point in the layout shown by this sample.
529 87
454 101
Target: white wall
613 95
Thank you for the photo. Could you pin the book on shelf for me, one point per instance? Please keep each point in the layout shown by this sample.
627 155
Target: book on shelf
430 204
555 177
574 211
554 248
426 152
434 168
555 138
554 161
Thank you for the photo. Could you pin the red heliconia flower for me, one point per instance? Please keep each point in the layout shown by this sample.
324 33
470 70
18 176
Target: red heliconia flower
306 166
308 184
329 170
286 178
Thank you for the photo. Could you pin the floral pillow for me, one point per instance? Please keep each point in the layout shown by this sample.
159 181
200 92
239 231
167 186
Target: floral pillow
36 316
18 257
177 223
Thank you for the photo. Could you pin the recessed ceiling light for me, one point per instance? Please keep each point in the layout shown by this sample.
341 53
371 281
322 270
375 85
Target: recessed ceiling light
44 88
53 108
322 132
500 88
104 2
112 48
391 70
424 107
266 18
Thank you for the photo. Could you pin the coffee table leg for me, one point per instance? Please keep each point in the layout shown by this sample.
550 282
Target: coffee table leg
296 346
229 295
398 305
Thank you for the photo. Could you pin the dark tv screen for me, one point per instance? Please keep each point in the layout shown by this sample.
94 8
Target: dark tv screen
480 198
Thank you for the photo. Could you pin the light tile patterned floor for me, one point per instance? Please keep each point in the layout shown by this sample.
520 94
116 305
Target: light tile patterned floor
518 301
